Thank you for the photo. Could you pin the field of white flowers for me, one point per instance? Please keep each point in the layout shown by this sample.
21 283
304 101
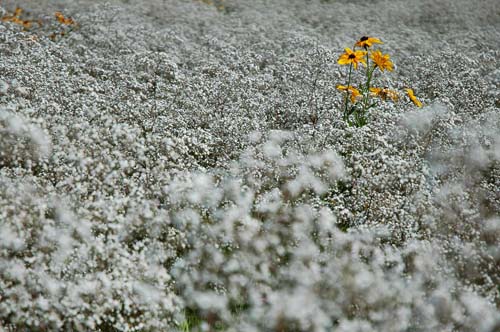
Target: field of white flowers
183 165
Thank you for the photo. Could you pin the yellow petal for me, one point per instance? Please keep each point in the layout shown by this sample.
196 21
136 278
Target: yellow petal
375 40
343 62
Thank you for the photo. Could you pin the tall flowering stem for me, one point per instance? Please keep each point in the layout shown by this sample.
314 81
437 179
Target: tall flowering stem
351 58
366 92
346 101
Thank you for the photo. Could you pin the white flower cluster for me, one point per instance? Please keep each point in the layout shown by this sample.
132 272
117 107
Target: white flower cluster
182 165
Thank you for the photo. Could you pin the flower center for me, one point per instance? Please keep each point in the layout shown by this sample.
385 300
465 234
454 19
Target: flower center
363 38
352 56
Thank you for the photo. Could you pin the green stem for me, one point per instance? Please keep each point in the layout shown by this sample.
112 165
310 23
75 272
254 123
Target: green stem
368 79
346 101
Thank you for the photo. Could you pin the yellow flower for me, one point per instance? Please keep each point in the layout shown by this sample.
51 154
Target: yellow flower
64 20
354 92
27 24
382 61
385 93
352 57
413 98
366 42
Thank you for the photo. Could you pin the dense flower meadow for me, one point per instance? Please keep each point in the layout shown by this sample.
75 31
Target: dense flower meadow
184 165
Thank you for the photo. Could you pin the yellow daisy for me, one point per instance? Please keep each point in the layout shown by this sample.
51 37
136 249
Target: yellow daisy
413 98
382 61
64 20
354 92
26 24
352 57
384 93
366 42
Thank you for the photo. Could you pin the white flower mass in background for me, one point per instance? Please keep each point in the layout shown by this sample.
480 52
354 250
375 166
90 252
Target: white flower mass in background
182 165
